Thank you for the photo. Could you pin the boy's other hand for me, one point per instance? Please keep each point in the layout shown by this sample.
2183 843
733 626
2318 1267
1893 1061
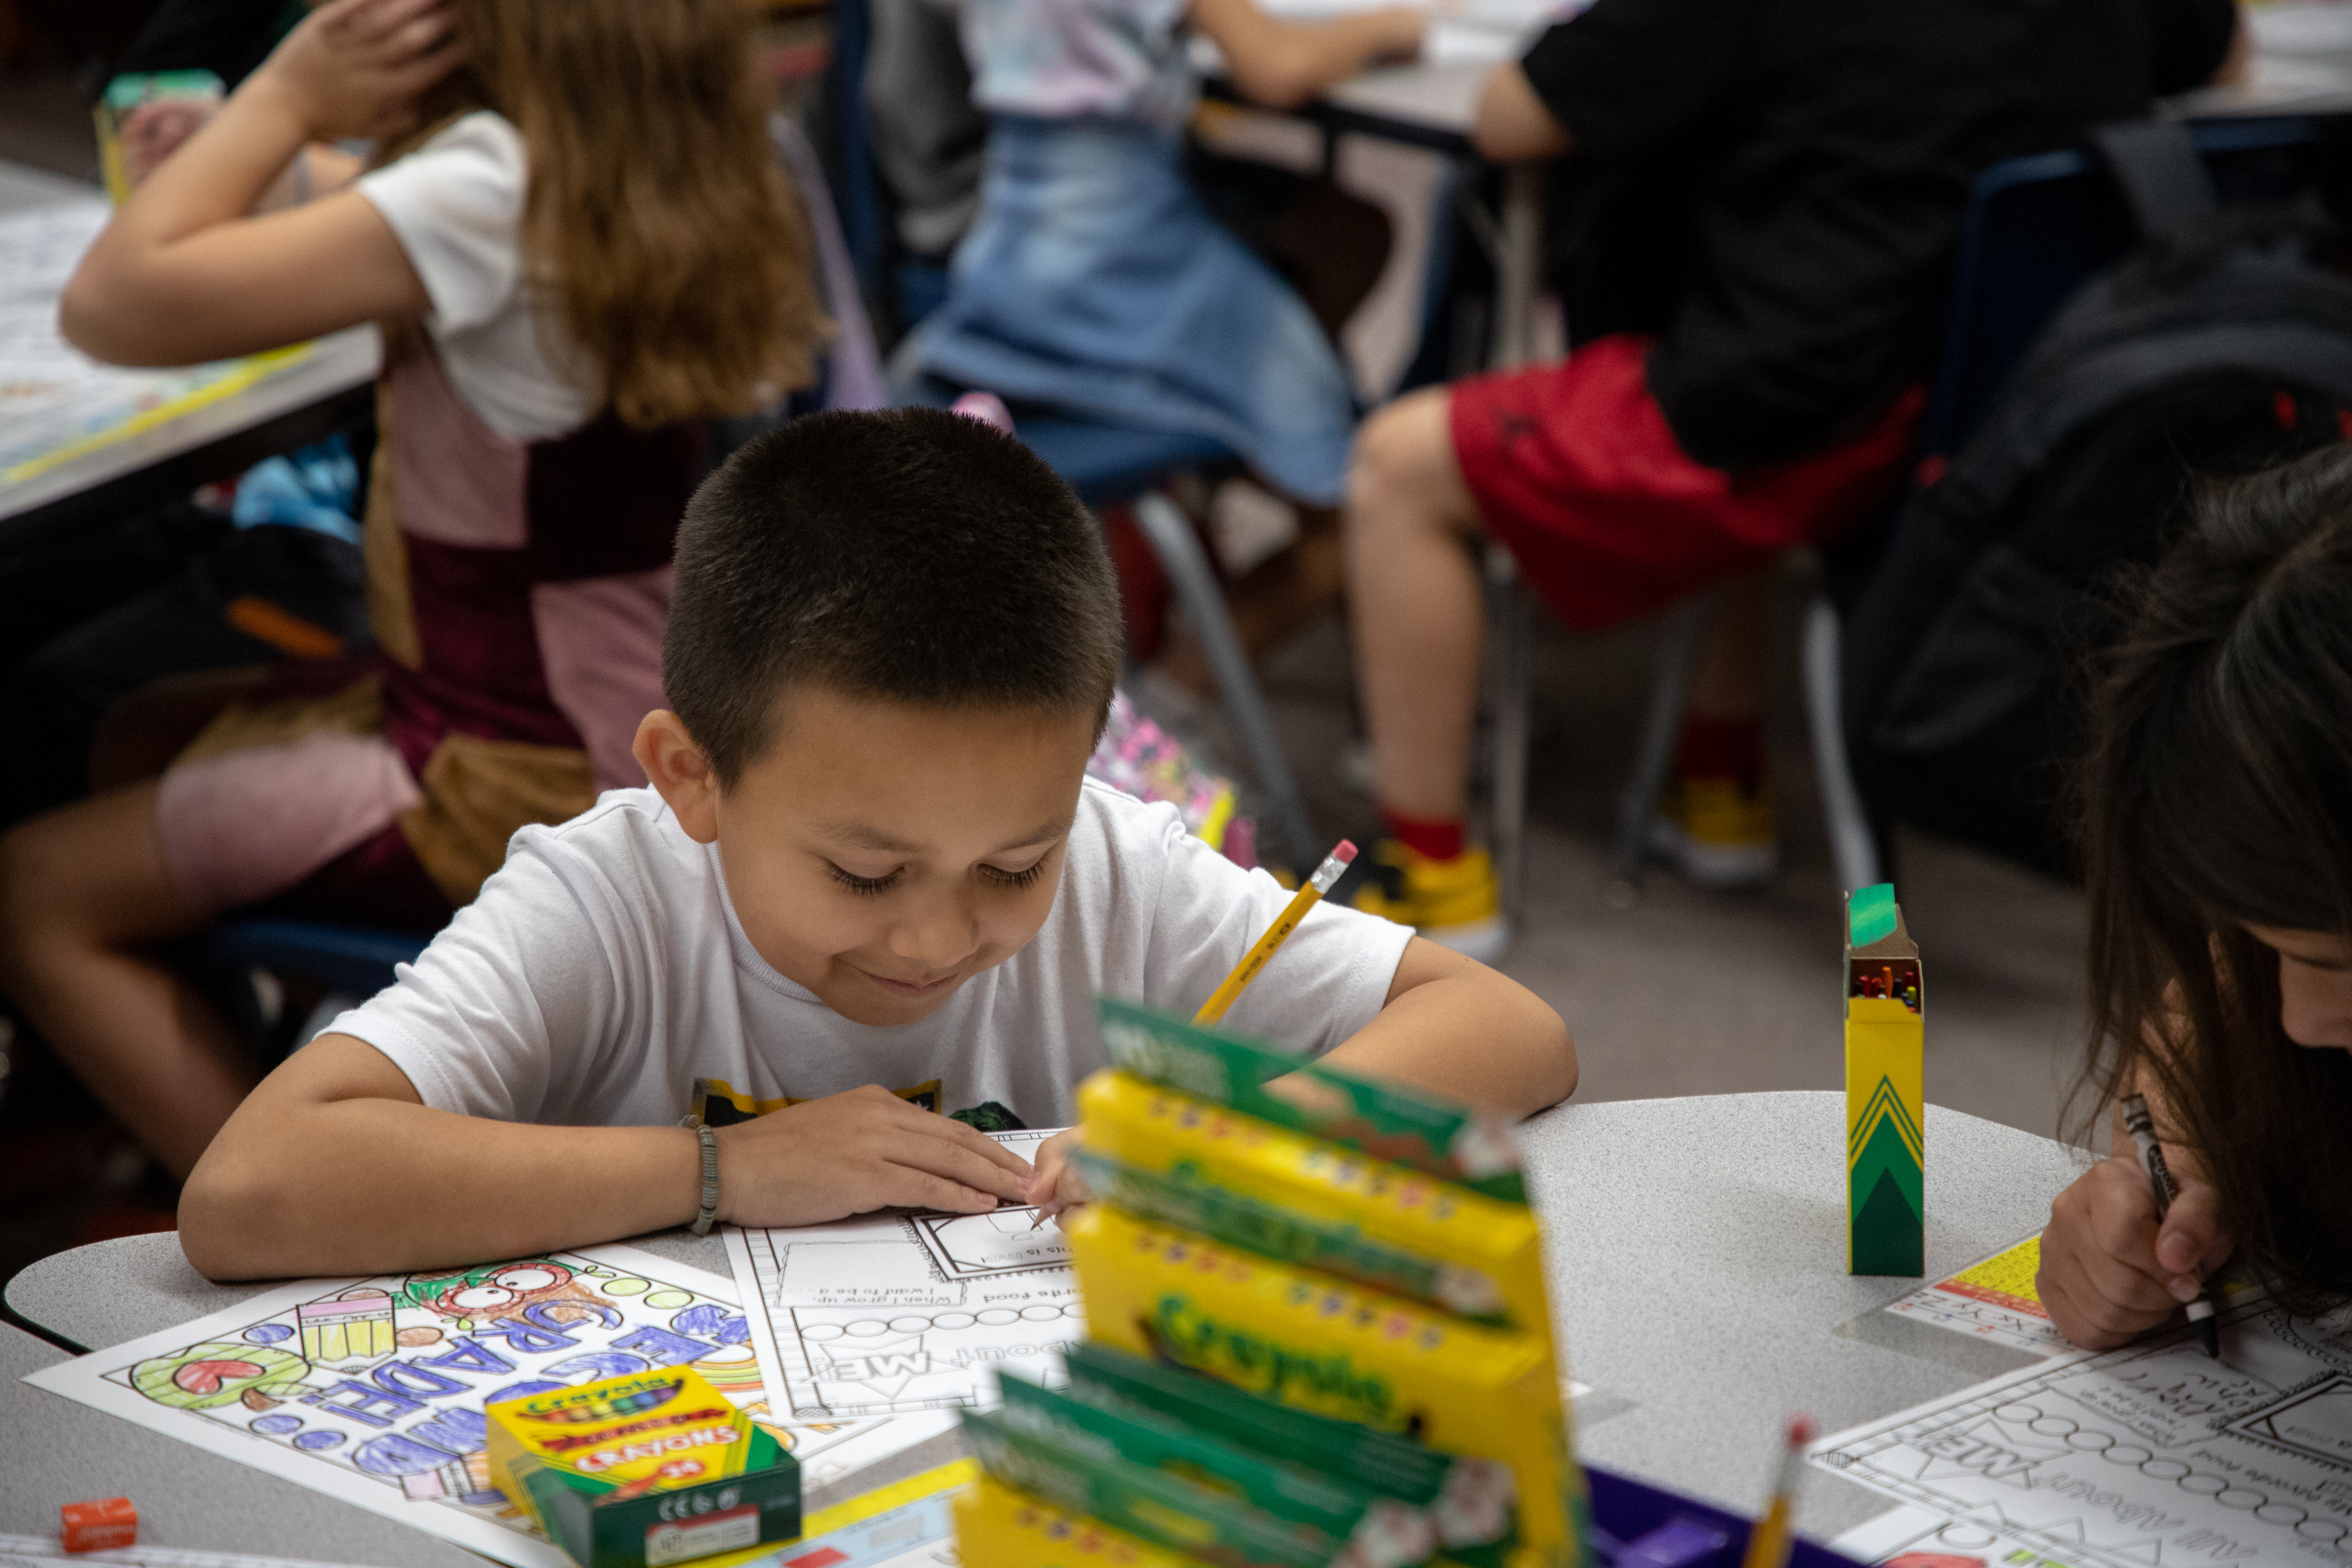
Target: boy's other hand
849 1153
356 67
2109 1270
1056 1187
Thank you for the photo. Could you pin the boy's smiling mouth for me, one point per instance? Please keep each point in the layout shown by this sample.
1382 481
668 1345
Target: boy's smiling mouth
910 987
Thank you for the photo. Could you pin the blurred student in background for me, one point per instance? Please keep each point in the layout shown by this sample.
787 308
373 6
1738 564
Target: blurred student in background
1823 151
2216 813
581 252
1094 278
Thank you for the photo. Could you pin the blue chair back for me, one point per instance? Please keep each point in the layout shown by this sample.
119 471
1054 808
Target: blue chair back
351 959
2037 227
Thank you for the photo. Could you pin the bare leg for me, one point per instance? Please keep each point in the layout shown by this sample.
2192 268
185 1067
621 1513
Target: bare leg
1730 679
1415 606
81 890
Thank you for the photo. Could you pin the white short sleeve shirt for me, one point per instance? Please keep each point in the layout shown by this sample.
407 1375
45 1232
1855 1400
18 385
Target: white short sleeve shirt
456 205
603 971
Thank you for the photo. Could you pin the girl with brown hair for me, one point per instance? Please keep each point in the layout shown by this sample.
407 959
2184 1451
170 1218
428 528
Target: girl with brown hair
581 252
2218 816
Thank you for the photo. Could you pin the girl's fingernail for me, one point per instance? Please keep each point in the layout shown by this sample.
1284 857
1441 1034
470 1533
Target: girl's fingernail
2183 1288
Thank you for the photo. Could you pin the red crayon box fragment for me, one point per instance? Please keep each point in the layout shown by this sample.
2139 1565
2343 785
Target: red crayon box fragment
98 1526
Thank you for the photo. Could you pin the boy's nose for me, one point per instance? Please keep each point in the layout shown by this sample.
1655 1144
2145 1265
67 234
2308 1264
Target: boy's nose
940 939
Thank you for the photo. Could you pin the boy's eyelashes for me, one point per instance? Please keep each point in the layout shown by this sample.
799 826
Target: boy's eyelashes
870 886
876 886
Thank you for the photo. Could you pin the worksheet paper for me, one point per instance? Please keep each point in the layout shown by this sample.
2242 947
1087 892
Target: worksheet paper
1916 1538
55 400
2152 1456
1993 1300
31 1551
371 1390
899 1314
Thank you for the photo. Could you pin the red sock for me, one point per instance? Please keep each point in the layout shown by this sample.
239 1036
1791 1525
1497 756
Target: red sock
1434 837
1722 749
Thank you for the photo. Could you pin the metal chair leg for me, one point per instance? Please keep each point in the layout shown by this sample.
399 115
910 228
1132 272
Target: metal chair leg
1653 756
1171 536
1853 843
1506 697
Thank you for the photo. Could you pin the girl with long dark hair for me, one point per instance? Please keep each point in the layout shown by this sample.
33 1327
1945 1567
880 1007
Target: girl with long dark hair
2217 810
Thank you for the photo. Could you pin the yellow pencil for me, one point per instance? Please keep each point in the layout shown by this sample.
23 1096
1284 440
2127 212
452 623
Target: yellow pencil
1768 1540
1276 934
1252 962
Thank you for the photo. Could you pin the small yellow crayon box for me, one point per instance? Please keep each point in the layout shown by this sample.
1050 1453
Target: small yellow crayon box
1321 1204
1318 1343
1886 1090
643 1470
998 1527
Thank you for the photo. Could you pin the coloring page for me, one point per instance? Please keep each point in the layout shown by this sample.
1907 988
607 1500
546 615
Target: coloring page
1994 1300
54 397
1915 1538
2152 1456
895 1314
31 1551
372 1390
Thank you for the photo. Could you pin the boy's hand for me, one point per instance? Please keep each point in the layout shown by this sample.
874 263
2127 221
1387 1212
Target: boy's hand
1056 1187
356 67
849 1153
2108 1270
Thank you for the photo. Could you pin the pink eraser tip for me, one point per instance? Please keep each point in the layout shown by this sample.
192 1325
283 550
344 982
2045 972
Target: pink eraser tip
1345 852
1802 1431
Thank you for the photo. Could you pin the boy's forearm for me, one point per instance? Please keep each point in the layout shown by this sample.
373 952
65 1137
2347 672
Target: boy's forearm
1474 1036
370 1186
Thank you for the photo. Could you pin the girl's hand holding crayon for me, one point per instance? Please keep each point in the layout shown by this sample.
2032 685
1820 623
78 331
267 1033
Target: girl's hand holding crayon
357 68
2110 1270
851 1153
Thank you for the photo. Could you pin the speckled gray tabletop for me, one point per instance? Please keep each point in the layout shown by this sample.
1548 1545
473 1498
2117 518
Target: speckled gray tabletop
1697 1261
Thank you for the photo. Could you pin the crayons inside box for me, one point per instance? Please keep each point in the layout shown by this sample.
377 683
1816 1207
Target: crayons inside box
644 1470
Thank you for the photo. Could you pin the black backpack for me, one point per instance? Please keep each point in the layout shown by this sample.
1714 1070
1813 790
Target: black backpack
2216 348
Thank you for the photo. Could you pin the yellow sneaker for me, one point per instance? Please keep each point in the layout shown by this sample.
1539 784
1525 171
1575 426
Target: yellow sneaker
1454 903
1719 835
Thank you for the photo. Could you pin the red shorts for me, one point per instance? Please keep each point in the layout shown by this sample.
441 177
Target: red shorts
1575 470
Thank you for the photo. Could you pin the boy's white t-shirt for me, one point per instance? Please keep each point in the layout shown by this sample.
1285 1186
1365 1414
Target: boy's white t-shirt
602 972
456 205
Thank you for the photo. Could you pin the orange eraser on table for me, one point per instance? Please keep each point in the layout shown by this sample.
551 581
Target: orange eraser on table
97 1526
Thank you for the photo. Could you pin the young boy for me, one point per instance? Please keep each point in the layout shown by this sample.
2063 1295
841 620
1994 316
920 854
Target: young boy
1817 155
868 877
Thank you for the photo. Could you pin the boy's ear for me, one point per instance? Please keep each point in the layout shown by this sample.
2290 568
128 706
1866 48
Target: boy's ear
676 766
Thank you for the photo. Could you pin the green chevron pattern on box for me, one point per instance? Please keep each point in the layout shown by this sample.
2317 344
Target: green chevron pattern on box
1887 1174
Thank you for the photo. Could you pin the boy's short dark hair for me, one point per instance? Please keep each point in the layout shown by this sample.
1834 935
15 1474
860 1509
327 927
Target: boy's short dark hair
910 555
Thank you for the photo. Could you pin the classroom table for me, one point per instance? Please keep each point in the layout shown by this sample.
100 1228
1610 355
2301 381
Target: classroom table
1697 1267
328 390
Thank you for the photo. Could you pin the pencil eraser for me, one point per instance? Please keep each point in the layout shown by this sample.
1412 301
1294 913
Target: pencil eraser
1345 852
98 1526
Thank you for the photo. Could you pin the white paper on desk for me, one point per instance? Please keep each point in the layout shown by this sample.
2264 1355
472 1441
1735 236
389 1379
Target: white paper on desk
1992 1298
1917 1537
2149 1456
32 1551
384 1411
906 1313
52 395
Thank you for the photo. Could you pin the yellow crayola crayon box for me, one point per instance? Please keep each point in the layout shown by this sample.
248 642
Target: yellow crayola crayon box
643 1470
1318 1343
998 1527
1318 1204
1886 1098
